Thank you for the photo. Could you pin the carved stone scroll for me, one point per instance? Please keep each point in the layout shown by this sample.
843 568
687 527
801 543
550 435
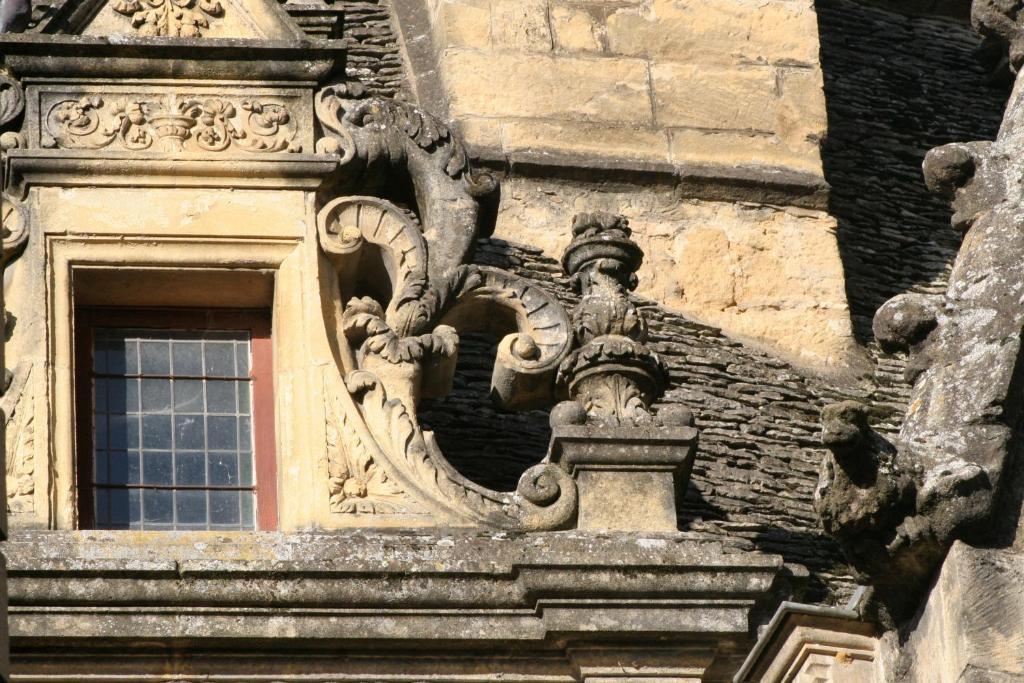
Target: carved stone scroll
383 140
408 296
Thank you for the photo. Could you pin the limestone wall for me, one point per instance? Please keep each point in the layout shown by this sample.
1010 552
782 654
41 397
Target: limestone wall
694 95
668 81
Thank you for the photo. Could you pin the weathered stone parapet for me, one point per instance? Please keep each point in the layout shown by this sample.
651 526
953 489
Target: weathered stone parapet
378 597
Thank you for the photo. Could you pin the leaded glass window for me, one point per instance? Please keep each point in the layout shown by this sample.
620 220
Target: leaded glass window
172 433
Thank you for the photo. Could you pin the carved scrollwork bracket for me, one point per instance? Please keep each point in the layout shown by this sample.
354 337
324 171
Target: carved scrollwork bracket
397 338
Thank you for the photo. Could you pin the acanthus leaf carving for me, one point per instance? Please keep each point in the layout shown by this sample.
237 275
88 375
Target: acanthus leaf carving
19 413
357 484
171 124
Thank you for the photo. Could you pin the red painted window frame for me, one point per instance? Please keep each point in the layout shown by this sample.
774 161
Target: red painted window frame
254 321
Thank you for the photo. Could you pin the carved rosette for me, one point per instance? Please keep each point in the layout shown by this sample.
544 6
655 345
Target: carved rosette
171 125
397 340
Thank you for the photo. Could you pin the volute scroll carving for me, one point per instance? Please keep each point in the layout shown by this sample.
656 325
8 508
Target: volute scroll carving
408 295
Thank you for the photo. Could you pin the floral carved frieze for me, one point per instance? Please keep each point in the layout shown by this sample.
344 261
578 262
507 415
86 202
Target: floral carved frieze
172 18
171 124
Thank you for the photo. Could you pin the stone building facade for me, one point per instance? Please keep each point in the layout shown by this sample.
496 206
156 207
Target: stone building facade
512 340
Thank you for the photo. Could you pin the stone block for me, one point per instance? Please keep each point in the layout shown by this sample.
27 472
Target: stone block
723 32
482 135
601 140
521 25
463 23
738 148
544 86
802 116
712 97
628 478
762 274
971 627
574 29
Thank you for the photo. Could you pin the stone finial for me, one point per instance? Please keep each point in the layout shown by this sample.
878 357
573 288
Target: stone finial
614 376
630 465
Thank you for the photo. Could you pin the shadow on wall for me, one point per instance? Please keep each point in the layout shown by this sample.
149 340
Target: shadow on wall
896 86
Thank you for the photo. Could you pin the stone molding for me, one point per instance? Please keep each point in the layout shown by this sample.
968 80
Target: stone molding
444 590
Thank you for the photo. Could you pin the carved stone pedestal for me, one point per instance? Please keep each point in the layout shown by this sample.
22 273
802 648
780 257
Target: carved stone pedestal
627 478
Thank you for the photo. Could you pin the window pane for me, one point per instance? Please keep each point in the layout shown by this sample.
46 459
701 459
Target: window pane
190 507
157 468
123 467
156 358
242 359
123 431
156 431
220 396
120 508
188 395
188 358
188 432
157 506
244 402
220 359
247 511
221 433
172 410
190 469
156 395
223 469
224 507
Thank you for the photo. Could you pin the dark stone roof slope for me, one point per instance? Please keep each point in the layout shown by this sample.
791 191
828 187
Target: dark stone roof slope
895 87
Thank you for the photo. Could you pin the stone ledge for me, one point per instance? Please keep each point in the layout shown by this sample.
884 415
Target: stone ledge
324 588
64 56
64 168
710 182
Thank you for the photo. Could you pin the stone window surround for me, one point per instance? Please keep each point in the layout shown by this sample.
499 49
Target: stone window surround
77 276
254 321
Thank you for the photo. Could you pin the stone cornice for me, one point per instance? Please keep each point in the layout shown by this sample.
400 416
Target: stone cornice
66 56
64 168
381 585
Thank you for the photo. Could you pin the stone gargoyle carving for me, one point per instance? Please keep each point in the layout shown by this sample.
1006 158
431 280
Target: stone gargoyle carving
407 295
897 508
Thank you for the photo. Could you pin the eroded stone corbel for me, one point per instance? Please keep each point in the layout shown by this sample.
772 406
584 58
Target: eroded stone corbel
630 464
